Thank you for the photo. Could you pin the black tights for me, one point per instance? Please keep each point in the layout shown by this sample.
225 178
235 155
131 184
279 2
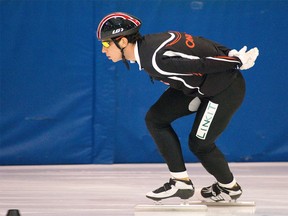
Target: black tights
174 104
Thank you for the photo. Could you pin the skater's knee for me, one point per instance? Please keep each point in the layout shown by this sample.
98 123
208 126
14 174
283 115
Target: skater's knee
150 118
198 146
154 118
193 147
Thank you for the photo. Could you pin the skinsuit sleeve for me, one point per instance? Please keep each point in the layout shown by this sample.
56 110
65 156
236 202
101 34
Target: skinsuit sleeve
182 54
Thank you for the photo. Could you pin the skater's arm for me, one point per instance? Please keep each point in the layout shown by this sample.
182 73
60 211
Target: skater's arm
177 63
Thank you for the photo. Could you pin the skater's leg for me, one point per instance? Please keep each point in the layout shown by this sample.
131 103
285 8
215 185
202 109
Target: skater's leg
207 129
171 105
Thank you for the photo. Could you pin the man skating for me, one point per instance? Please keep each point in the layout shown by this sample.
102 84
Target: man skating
204 79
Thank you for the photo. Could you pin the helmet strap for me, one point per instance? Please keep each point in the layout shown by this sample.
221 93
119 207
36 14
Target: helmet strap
122 52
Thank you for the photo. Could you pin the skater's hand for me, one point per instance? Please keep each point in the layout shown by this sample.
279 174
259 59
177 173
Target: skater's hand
236 53
247 58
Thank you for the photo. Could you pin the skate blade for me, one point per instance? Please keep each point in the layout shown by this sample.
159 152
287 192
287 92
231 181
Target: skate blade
224 203
169 208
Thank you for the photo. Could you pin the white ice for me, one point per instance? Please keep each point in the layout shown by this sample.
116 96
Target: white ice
114 190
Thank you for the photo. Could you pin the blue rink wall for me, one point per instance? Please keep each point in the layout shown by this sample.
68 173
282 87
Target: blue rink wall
63 102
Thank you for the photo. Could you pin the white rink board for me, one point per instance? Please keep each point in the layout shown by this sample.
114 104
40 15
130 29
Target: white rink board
225 204
170 208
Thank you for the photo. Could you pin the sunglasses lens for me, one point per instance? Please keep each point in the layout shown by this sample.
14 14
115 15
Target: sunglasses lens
106 44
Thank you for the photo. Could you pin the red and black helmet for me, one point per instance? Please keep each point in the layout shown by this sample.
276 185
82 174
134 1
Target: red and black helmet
117 24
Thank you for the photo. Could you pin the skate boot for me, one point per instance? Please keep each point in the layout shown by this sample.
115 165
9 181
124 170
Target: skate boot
217 193
173 188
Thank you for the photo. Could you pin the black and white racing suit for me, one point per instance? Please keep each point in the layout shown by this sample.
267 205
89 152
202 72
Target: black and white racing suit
202 80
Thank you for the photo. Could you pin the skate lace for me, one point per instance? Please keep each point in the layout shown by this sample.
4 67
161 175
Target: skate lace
215 189
216 192
165 187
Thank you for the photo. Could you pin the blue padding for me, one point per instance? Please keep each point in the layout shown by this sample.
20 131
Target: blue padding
47 58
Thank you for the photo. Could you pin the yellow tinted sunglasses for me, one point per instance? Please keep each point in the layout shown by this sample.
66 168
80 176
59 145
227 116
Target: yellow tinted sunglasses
106 44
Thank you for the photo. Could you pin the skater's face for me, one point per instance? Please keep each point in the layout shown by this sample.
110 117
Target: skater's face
111 50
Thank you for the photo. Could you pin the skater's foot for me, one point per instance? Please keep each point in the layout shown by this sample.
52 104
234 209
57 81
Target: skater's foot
218 193
173 188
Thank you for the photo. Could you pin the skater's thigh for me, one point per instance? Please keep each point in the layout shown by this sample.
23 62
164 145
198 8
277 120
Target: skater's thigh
171 105
214 114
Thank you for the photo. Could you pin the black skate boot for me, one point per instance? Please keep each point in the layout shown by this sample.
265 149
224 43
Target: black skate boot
173 188
217 193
